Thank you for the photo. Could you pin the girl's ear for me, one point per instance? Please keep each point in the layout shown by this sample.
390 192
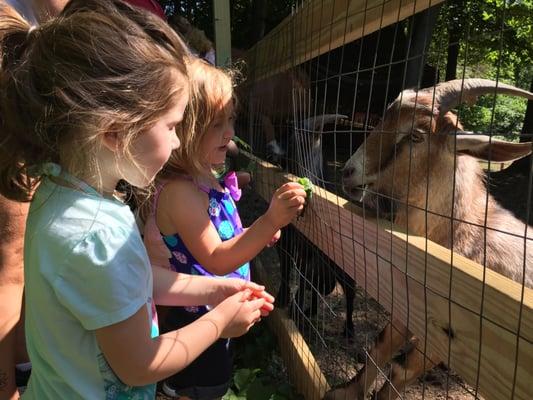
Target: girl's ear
111 141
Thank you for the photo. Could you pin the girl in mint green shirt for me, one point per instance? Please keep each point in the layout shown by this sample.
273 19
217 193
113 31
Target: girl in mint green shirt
88 99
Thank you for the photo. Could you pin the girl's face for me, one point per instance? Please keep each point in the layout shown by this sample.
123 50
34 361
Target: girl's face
214 143
151 149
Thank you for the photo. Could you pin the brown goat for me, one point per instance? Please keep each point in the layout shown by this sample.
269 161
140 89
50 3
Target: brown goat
420 159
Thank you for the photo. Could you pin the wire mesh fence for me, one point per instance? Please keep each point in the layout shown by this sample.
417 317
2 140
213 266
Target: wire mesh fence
410 273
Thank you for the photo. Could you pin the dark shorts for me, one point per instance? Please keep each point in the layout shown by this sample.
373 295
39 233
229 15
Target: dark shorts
207 377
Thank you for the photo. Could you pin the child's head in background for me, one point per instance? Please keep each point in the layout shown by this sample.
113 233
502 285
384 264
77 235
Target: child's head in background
207 126
98 90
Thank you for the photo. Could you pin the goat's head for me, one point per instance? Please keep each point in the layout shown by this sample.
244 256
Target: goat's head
308 143
413 149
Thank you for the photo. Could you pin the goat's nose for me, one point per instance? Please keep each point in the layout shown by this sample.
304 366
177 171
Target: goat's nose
347 172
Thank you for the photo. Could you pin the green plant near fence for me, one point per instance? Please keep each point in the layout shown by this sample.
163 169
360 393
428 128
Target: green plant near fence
259 372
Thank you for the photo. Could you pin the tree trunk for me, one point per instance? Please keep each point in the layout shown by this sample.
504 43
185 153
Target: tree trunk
422 25
522 166
454 36
259 11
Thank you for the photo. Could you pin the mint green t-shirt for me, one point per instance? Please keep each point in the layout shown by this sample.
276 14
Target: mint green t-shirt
85 268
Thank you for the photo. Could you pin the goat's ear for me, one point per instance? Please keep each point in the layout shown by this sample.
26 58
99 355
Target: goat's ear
482 147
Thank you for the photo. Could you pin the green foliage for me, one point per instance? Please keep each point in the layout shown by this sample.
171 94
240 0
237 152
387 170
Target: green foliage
495 42
198 12
241 143
494 34
244 22
258 374
508 116
308 186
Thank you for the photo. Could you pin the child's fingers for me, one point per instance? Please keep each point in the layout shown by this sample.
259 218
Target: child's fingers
295 202
257 315
265 295
246 294
289 194
267 307
288 186
254 286
257 303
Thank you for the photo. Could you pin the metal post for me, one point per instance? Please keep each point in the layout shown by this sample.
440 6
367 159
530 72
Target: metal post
222 32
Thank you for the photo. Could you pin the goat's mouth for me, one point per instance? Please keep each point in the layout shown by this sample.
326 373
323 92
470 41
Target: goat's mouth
378 204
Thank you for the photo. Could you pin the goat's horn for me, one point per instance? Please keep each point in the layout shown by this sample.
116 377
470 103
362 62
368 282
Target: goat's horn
450 94
316 123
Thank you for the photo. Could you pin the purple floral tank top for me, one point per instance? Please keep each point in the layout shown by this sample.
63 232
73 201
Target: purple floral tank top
224 216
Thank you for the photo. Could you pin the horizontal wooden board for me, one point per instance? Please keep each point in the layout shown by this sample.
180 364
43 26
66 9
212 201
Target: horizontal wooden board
320 26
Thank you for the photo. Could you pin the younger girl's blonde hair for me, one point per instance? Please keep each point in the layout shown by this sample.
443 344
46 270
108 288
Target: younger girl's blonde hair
101 66
210 90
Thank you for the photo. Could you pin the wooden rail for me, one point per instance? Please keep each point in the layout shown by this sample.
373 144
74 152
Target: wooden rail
320 26
429 289
305 373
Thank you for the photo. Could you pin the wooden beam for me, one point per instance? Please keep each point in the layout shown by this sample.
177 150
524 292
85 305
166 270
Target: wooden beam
320 26
222 20
428 288
305 373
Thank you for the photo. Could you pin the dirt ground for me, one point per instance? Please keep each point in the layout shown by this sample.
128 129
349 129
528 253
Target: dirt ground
338 356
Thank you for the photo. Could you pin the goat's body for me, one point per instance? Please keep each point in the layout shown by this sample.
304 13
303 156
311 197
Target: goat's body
482 230
502 246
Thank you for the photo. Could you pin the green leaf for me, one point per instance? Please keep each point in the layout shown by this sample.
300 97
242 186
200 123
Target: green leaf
230 395
242 143
308 186
244 377
258 390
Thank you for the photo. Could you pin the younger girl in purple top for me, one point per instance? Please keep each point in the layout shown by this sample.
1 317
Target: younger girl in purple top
199 222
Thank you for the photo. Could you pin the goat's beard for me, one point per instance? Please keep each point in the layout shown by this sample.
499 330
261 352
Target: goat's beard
379 205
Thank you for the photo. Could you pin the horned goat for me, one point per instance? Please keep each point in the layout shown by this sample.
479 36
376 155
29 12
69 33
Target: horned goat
420 159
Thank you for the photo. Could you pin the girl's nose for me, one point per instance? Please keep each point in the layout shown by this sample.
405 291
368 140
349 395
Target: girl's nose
174 141
229 133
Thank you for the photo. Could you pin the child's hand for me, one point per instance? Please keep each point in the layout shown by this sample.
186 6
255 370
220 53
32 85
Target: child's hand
229 286
240 311
274 239
287 201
